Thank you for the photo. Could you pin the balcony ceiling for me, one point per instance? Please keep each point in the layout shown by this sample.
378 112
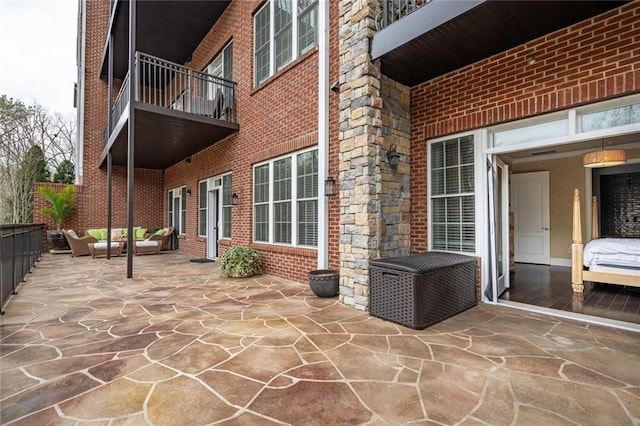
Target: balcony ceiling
165 137
168 29
444 35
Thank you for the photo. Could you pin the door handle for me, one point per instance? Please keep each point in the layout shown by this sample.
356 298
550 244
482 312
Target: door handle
545 229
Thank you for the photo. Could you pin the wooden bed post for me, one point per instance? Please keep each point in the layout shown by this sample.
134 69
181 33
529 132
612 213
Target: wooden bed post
595 231
576 246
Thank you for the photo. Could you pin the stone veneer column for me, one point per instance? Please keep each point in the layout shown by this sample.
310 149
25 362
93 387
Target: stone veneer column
374 115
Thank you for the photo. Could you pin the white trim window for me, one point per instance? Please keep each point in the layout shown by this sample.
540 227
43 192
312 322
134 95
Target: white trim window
452 195
283 30
177 209
285 202
202 208
227 198
220 67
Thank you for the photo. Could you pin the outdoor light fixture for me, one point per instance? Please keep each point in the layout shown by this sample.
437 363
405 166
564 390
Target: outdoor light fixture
330 187
188 191
234 199
604 158
393 156
188 160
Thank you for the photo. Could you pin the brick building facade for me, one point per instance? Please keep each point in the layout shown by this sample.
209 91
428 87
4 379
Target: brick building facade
381 210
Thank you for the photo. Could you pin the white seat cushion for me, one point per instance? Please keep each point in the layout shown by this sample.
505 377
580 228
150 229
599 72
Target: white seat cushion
103 246
147 243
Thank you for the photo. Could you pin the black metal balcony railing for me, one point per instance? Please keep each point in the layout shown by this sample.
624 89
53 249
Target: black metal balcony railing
168 85
394 10
20 248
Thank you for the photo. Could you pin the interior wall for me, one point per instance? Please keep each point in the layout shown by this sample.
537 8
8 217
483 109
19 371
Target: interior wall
565 174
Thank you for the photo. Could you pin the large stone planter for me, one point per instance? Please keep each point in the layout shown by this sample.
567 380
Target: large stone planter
324 282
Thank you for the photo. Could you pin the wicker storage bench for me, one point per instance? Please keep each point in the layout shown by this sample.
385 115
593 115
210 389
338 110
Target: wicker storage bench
422 289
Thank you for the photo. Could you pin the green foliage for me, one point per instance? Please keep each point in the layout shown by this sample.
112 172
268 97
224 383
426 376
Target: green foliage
61 204
240 262
65 173
34 165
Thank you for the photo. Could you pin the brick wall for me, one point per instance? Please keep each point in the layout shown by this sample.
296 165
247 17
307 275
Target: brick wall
92 195
587 62
278 117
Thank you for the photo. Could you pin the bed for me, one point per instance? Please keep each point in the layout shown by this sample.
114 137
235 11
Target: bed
609 260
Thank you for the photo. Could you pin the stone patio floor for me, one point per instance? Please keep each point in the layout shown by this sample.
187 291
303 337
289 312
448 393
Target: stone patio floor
176 345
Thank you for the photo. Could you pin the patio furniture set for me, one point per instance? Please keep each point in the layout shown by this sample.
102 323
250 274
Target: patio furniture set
94 241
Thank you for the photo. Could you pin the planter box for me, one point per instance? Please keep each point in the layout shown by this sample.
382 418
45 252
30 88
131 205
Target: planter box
422 289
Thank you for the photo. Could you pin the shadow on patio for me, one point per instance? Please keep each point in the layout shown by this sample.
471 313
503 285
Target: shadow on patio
178 345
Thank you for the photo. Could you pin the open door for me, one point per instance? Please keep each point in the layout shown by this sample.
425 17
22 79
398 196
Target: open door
498 175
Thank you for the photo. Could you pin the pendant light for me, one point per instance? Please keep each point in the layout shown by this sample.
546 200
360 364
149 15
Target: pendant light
604 157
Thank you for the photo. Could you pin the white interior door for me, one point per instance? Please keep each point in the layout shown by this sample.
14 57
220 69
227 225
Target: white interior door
212 223
530 205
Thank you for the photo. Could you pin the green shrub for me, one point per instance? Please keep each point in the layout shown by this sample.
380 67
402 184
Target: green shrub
240 262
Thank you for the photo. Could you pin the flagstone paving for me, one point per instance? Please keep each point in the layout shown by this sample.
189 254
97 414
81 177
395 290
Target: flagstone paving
176 345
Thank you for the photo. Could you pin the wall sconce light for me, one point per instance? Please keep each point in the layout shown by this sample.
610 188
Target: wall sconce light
234 199
188 160
329 187
393 157
188 191
335 87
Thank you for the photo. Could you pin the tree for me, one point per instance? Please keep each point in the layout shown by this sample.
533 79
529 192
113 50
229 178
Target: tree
65 173
22 128
61 204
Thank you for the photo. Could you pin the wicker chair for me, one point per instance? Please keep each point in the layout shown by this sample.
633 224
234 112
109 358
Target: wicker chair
79 245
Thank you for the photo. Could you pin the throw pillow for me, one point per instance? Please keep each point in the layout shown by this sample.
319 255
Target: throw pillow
103 234
95 233
116 234
160 232
139 233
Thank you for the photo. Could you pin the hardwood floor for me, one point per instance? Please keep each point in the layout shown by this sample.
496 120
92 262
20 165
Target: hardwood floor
550 287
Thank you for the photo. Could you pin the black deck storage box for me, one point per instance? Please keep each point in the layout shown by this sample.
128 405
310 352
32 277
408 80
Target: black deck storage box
422 289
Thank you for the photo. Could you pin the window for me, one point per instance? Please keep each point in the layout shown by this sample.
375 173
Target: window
452 195
222 68
307 196
177 215
202 209
283 30
286 200
227 193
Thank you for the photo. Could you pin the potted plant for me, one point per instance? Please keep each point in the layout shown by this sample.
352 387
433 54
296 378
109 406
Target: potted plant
324 282
61 206
240 262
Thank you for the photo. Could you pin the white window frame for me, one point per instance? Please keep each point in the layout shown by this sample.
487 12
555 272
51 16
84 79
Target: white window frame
295 53
477 190
203 211
294 200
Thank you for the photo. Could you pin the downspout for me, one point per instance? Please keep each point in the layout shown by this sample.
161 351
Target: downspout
323 132
81 41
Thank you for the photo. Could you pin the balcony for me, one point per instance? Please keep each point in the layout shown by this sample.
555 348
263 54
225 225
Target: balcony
169 29
420 39
178 112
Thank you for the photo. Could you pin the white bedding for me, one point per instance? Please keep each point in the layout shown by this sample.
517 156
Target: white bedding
613 252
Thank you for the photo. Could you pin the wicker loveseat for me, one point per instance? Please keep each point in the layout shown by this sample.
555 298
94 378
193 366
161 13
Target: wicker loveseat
79 245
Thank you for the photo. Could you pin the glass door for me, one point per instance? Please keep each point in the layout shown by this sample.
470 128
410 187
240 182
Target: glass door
499 226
